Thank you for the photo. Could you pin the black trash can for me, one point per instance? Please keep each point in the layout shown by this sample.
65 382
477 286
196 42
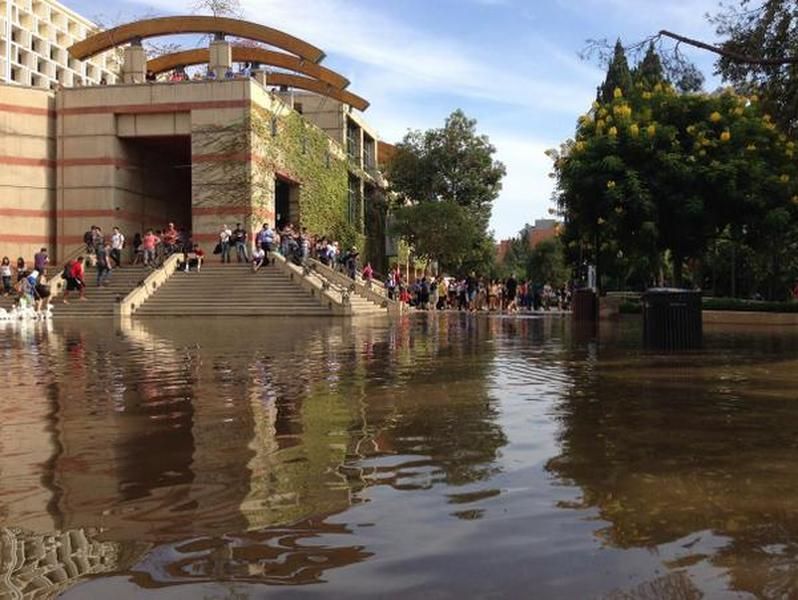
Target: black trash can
672 319
585 305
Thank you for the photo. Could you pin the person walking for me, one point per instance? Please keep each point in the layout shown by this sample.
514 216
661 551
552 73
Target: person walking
22 269
103 264
240 242
224 243
74 275
117 243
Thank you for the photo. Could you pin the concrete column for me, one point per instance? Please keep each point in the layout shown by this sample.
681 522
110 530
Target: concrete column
134 68
221 57
261 76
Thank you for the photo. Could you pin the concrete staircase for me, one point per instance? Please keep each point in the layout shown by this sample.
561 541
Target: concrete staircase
226 290
100 301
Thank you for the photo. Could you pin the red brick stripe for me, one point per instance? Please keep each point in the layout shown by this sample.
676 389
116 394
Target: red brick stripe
27 110
169 107
94 162
24 161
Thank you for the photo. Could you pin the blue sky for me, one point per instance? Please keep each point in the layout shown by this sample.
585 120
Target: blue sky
511 64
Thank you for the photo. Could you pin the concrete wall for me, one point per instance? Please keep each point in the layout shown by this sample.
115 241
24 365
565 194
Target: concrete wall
27 171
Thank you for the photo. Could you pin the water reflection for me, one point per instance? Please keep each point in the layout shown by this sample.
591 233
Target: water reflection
688 456
450 456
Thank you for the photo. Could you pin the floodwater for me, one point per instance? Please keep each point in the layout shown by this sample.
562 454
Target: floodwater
436 457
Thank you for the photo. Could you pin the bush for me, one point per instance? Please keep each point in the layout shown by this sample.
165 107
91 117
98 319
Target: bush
737 304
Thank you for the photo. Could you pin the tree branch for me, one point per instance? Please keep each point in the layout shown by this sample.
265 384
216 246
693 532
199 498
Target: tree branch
734 56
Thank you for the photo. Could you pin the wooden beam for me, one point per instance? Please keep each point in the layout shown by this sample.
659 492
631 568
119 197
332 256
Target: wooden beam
318 87
168 62
146 28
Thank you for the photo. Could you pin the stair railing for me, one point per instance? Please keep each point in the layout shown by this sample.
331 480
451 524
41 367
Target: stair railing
125 307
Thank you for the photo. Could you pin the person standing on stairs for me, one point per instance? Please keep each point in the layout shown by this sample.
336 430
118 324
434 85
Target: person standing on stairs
40 261
149 243
224 242
117 243
240 241
265 239
103 264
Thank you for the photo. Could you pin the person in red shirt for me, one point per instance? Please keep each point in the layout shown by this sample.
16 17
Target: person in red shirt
169 237
148 243
75 279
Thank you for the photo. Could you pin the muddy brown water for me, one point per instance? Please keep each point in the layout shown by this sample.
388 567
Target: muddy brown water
435 457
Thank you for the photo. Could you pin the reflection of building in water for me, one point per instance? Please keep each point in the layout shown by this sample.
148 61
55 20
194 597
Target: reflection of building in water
34 565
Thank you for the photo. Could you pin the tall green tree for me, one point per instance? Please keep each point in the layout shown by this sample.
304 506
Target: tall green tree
618 75
649 72
454 167
659 174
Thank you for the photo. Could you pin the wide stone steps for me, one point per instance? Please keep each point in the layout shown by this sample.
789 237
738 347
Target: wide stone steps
231 290
100 301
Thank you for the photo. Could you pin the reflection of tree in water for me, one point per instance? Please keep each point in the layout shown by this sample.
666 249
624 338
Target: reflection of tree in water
689 449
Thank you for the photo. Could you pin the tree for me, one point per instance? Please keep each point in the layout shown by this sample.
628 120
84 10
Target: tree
546 263
452 163
618 75
440 231
659 174
768 32
649 72
453 167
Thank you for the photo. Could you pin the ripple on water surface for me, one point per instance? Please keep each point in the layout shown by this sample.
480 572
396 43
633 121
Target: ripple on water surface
450 456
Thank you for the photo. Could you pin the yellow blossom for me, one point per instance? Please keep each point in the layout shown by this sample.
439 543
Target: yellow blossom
652 129
725 136
600 221
754 98
612 132
789 153
795 199
715 117
579 146
739 111
766 118
784 178
646 95
658 87
791 145
702 153
610 184
691 129
619 210
617 93
634 130
595 105
751 147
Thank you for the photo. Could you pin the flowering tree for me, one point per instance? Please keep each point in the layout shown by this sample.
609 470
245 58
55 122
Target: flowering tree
653 173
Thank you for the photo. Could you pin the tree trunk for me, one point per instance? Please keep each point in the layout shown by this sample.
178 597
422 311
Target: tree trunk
733 269
677 271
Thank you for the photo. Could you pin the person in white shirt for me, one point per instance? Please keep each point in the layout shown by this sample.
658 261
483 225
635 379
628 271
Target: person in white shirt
258 256
117 243
224 242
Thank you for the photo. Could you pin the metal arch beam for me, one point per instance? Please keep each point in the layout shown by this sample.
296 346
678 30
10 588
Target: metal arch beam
198 56
146 28
318 87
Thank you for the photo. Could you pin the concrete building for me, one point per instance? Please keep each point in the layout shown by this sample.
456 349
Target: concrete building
34 38
227 149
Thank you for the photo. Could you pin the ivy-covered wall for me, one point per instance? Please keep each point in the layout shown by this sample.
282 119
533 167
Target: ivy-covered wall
287 144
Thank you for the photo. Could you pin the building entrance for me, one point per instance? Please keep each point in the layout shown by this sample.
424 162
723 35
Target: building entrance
157 181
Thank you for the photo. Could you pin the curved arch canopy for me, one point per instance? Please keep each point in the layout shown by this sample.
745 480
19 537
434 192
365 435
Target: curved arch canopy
198 56
123 34
318 87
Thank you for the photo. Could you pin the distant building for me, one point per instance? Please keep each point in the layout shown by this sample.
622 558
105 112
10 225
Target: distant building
34 38
542 230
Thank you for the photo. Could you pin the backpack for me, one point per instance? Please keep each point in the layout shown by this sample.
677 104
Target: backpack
87 238
66 273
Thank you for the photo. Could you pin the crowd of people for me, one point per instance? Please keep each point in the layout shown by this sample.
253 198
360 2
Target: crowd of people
477 294
104 253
